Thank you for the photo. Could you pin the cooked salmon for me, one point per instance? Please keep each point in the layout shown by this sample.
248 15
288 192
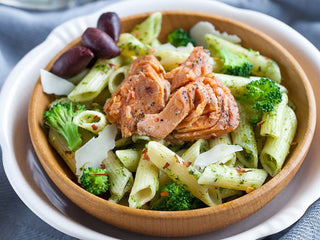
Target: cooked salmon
180 105
220 116
191 70
200 106
143 91
197 106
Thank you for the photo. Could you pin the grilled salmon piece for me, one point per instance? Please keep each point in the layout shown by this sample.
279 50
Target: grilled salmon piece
221 115
179 106
143 91
195 67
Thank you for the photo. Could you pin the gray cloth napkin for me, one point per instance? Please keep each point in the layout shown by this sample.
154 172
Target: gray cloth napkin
21 31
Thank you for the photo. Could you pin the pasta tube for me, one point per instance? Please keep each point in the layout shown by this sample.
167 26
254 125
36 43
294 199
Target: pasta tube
117 77
131 47
262 66
244 179
275 150
169 162
148 31
93 83
120 178
194 151
93 121
244 137
237 85
130 158
61 146
272 121
145 185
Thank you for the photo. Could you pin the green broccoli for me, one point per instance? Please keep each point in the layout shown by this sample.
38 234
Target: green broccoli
95 181
260 96
60 118
180 37
233 64
173 197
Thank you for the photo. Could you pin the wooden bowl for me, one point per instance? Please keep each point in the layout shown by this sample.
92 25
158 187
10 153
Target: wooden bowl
185 223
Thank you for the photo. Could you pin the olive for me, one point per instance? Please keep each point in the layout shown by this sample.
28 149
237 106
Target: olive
109 22
72 62
100 43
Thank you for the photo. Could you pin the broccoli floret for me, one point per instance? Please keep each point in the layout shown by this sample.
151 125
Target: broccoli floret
260 96
173 197
233 64
180 37
60 118
95 181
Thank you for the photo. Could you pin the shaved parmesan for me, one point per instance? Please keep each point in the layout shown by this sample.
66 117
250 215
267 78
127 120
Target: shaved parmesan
199 30
220 153
95 150
52 84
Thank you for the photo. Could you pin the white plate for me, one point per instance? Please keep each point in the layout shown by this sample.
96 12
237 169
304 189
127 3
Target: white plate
38 192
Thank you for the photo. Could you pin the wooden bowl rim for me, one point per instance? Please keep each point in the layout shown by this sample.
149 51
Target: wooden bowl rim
299 152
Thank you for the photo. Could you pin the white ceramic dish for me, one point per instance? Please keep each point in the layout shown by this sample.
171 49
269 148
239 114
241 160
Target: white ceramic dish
44 199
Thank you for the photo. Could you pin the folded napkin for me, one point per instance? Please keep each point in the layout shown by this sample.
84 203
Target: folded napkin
22 30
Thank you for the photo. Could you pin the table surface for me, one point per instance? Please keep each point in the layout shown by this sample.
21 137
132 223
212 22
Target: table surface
22 30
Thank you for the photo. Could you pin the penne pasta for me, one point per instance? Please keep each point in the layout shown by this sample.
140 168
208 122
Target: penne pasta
272 121
275 150
244 179
148 31
244 137
262 66
93 83
191 154
117 77
120 178
169 162
129 158
146 183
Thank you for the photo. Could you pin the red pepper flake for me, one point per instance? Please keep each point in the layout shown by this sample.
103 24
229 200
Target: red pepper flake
186 163
163 194
293 143
95 117
76 107
157 119
98 174
259 123
267 58
94 127
111 65
221 163
241 170
68 152
145 154
166 165
102 166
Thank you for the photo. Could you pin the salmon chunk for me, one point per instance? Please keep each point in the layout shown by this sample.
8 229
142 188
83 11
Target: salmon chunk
220 116
200 106
191 70
143 91
179 106
185 104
